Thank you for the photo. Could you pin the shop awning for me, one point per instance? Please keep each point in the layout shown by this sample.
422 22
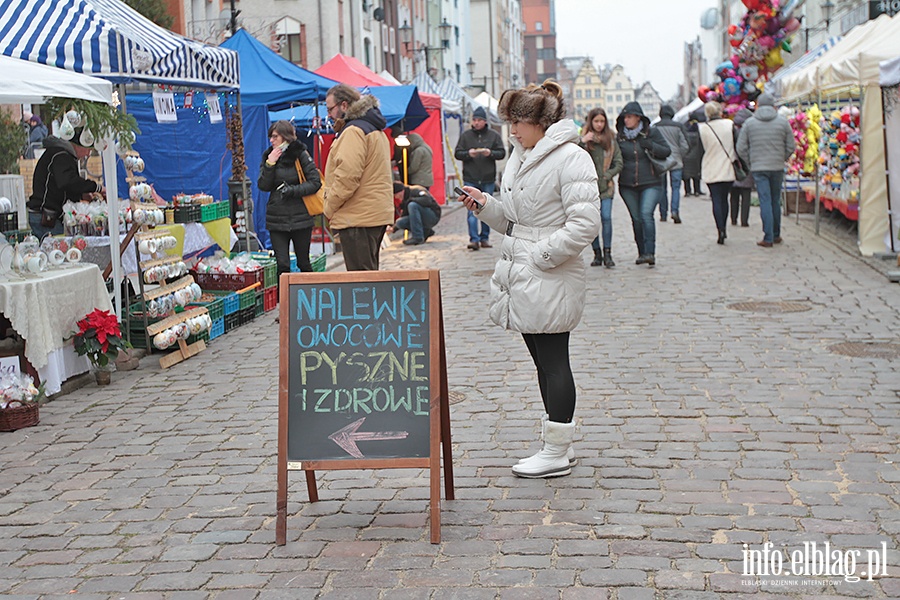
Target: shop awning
30 83
108 39
396 102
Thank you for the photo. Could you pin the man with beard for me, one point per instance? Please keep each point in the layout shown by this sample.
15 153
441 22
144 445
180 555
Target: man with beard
359 198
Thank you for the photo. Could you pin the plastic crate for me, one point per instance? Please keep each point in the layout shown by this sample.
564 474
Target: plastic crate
187 214
228 281
270 273
247 299
231 321
270 299
216 308
214 211
247 314
9 221
203 335
231 303
217 329
17 235
259 307
318 262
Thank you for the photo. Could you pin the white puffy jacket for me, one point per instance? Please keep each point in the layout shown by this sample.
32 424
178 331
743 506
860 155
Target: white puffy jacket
550 210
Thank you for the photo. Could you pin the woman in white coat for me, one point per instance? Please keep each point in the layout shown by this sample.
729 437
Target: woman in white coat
549 209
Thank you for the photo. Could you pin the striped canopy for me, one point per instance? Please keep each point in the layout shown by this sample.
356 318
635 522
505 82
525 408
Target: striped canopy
108 39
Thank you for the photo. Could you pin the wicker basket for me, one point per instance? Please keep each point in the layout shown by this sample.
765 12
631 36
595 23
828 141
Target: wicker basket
19 417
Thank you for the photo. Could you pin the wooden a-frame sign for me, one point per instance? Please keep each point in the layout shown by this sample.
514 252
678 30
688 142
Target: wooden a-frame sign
362 380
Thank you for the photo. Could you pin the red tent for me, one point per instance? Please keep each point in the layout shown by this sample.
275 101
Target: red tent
347 69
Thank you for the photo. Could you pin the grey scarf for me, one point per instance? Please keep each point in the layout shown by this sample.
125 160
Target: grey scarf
631 134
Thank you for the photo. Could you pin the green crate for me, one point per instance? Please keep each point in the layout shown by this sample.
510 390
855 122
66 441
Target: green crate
248 298
259 306
270 273
224 209
203 335
216 308
214 211
318 262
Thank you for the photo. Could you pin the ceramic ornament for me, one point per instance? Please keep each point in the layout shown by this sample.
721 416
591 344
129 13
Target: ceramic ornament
74 118
87 138
66 131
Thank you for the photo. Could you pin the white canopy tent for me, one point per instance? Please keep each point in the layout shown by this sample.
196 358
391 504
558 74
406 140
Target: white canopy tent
853 65
26 82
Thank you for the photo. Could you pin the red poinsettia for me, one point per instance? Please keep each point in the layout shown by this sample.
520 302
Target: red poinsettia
99 337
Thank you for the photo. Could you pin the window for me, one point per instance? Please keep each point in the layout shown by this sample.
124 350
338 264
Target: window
578 94
587 80
587 93
618 85
618 97
367 48
292 49
538 26
609 98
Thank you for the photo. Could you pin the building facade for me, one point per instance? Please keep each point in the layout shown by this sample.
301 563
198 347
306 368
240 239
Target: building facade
587 90
497 45
618 89
540 40
649 99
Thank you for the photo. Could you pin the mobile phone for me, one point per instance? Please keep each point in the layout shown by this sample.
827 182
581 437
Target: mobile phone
463 192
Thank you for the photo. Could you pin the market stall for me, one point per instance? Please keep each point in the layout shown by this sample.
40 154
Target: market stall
845 78
889 79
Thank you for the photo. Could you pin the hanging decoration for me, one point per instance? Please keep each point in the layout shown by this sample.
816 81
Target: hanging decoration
103 120
757 41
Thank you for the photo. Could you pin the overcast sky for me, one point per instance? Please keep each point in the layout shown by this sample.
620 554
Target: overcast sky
646 37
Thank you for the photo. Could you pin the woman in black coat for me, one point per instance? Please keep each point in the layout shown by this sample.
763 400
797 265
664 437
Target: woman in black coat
286 216
639 184
691 173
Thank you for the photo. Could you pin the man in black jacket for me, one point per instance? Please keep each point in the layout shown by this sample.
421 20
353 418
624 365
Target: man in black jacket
420 212
56 180
479 149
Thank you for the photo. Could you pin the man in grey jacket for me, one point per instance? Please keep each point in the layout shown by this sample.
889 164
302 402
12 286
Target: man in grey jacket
676 137
766 142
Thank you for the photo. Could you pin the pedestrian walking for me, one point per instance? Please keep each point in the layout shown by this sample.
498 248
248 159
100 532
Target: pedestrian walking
359 188
419 212
479 148
691 173
287 218
600 142
766 143
639 185
549 211
740 189
676 137
717 137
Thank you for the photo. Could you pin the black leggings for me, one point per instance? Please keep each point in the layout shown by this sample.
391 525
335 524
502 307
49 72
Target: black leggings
281 241
550 352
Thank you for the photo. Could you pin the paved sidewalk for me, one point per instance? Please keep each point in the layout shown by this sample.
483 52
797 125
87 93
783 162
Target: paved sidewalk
701 428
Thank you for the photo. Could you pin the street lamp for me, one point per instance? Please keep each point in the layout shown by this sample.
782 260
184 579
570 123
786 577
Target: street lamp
470 67
406 31
827 10
498 65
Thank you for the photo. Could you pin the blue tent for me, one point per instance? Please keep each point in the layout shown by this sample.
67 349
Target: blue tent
397 103
269 80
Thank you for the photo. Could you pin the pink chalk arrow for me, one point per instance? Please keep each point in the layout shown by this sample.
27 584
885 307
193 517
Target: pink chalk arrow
347 437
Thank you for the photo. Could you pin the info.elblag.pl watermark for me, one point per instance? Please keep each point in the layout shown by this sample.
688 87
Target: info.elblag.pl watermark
813 563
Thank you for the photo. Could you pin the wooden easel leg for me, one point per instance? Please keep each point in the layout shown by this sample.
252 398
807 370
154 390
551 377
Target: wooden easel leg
311 486
446 446
281 522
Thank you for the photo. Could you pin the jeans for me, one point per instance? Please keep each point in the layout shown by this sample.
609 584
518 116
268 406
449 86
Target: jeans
474 236
606 220
281 245
361 247
719 194
419 221
768 187
740 205
641 202
39 231
675 185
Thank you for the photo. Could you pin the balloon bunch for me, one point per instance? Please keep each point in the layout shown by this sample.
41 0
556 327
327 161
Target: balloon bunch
840 146
764 31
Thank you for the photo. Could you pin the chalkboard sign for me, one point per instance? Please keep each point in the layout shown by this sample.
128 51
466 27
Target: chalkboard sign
359 370
362 379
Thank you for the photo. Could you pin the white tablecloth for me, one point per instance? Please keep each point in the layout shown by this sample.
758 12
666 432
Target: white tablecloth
43 308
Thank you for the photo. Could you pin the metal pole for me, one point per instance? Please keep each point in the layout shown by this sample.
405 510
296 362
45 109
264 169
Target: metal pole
245 189
887 171
819 97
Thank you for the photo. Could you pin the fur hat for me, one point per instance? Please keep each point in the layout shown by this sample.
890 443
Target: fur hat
541 105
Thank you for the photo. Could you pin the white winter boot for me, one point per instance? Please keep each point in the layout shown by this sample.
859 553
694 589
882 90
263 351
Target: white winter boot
570 454
551 461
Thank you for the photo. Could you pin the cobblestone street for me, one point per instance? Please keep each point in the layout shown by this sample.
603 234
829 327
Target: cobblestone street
700 428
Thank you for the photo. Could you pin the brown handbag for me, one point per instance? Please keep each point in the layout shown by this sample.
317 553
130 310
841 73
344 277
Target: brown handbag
315 203
607 161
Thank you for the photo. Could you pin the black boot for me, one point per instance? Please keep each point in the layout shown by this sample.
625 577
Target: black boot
598 258
722 236
607 258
